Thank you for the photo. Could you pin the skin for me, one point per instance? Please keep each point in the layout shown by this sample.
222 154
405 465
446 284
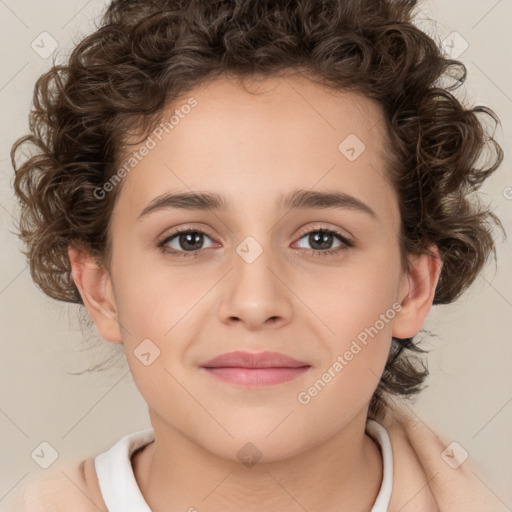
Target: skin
253 149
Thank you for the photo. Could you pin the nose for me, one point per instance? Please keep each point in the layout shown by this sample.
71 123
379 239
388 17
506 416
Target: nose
256 293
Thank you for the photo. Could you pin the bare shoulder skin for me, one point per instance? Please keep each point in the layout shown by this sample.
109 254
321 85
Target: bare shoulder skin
411 491
69 488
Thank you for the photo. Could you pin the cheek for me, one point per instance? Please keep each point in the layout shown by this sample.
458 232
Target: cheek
361 320
349 299
152 298
355 308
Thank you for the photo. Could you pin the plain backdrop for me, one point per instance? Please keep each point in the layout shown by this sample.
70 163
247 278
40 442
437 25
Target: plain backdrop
469 398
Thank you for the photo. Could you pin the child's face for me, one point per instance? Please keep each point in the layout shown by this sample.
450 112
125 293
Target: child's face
255 150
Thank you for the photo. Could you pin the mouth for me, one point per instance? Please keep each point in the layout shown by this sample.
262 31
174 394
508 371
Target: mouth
255 369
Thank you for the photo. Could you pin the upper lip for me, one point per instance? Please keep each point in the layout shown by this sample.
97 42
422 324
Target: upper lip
241 359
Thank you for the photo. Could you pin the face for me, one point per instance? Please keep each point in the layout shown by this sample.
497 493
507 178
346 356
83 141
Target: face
320 282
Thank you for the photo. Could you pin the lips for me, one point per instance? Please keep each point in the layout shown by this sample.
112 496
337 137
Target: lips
241 359
255 369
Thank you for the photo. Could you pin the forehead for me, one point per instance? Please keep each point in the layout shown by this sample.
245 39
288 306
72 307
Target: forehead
260 139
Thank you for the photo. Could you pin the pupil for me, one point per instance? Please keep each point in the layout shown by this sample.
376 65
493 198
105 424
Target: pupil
188 240
322 238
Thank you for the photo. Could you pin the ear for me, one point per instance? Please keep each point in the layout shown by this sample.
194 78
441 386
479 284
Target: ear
417 293
94 284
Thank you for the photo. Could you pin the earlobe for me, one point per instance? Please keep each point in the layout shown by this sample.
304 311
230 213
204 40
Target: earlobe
95 286
420 289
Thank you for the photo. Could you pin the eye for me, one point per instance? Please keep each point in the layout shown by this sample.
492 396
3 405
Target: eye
188 242
184 241
321 241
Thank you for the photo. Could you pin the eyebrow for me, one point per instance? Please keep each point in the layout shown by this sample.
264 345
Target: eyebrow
298 199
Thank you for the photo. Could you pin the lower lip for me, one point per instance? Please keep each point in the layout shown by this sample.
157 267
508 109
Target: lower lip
256 376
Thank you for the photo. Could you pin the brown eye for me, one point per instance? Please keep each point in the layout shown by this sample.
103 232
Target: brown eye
321 241
184 241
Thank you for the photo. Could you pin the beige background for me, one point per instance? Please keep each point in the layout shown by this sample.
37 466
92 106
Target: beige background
469 398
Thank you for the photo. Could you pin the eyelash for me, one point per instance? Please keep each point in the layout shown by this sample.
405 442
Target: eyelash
185 254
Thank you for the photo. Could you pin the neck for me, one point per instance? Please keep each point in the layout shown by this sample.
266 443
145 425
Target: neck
344 473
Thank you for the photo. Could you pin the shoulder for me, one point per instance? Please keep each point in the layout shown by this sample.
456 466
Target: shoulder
411 491
68 487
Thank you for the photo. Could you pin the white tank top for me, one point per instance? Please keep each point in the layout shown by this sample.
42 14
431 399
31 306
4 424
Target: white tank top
121 492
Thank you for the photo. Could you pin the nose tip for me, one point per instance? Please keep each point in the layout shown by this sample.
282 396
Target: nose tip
255 312
254 294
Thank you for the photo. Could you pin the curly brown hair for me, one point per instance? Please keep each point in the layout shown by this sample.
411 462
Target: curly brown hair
146 54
